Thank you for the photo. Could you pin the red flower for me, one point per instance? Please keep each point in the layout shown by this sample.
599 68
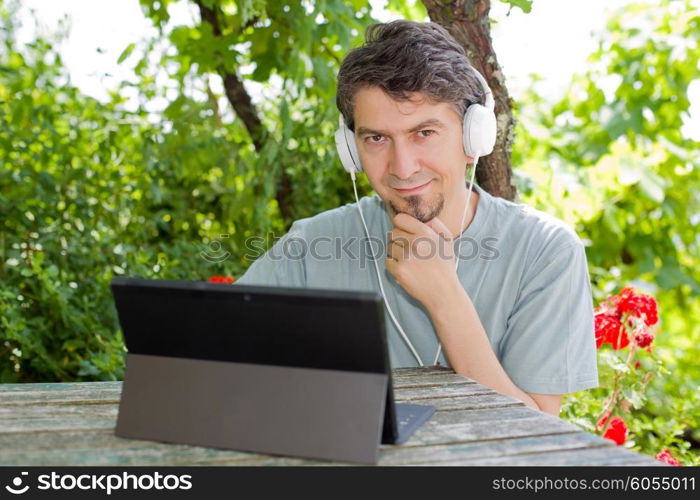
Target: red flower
617 431
608 329
628 308
637 304
637 364
665 456
643 338
220 279
602 420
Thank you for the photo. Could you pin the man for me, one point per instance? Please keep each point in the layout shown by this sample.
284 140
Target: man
517 314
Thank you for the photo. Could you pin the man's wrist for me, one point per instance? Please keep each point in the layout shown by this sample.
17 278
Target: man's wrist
448 300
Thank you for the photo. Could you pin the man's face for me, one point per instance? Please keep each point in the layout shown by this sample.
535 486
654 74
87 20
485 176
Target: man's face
411 151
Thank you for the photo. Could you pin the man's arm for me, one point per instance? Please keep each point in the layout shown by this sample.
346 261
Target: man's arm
431 279
548 403
469 351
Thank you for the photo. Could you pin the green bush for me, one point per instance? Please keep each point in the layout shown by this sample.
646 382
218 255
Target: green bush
610 159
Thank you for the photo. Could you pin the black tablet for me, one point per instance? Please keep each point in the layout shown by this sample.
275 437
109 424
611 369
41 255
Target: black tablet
290 327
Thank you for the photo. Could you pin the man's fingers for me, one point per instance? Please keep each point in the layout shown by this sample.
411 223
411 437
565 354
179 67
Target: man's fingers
397 248
400 237
407 223
440 228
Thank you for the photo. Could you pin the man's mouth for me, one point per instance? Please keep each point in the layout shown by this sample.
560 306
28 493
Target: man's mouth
413 190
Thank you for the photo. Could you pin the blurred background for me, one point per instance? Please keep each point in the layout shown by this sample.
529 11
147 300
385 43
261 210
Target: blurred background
145 139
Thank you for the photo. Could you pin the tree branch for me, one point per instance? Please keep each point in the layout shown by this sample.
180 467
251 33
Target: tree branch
214 103
233 86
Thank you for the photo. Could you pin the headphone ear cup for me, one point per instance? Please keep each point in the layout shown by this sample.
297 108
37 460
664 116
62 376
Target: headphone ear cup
479 131
347 148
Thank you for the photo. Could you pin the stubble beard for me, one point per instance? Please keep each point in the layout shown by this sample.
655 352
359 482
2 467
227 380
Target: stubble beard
423 210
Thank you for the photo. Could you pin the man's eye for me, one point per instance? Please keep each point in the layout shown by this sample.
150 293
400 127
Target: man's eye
374 138
426 133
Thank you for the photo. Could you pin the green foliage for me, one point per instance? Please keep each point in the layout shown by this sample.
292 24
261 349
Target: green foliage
291 52
87 191
610 159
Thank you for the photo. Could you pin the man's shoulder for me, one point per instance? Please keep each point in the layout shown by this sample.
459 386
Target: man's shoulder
340 220
536 227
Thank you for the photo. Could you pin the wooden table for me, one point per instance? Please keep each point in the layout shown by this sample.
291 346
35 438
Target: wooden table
73 424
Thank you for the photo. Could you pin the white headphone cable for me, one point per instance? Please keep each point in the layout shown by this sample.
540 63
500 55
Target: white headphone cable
459 246
379 278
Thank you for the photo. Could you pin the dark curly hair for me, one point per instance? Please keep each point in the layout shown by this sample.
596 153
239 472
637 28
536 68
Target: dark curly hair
401 57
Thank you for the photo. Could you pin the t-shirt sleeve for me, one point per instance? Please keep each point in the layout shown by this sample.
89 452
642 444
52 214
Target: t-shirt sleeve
282 265
549 345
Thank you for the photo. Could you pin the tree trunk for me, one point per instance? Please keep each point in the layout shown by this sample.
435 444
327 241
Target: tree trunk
468 22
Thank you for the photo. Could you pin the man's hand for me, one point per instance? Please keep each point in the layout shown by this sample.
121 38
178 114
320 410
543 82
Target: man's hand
420 256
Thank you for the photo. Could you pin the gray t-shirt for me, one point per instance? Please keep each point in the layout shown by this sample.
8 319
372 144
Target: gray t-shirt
525 271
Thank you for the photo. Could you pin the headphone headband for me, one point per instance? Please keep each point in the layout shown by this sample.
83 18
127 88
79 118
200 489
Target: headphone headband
479 130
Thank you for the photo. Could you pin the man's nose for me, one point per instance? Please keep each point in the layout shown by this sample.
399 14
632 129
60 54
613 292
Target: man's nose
402 163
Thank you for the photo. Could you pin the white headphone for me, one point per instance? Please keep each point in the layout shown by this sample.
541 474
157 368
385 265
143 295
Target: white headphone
478 139
478 132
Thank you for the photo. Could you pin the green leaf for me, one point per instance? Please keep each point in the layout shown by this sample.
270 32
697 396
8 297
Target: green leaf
614 362
524 5
635 397
73 344
126 52
413 10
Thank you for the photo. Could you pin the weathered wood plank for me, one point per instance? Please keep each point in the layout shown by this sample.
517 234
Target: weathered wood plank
424 371
489 400
60 386
154 454
418 393
20 425
438 379
434 432
457 417
86 392
10 414
603 456
480 450
45 440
